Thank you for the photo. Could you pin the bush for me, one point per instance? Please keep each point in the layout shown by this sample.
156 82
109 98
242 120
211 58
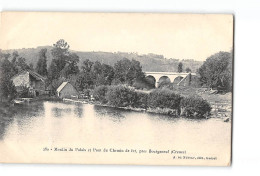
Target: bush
142 99
121 96
99 93
143 84
194 107
165 84
164 98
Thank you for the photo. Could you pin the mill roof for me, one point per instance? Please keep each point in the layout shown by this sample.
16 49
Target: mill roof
62 86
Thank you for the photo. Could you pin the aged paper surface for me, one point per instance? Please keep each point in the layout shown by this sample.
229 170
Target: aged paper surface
116 88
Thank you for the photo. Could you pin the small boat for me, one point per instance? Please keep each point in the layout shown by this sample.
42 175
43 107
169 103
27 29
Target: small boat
17 101
22 100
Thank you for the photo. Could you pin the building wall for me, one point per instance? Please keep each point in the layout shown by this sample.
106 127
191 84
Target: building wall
67 91
22 80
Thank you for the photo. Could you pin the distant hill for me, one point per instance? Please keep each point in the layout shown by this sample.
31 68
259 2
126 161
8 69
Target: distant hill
149 62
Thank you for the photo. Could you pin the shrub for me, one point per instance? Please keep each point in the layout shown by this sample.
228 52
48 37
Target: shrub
164 98
143 83
99 93
194 107
121 96
142 99
165 84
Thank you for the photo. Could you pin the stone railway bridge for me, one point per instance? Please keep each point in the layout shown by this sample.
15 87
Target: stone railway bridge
172 77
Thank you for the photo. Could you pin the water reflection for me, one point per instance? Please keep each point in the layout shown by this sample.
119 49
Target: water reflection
4 123
75 123
113 114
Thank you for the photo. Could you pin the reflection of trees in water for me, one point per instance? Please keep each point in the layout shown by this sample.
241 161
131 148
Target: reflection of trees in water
78 111
4 123
23 113
115 114
58 112
29 110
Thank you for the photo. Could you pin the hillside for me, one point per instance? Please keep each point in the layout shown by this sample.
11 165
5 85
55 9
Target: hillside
149 62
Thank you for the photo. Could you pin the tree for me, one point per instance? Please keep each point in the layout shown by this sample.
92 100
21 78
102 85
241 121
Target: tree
64 63
127 71
71 67
21 64
31 66
87 65
180 67
99 93
188 70
15 55
53 72
106 76
60 52
7 88
96 68
18 63
84 81
41 66
86 78
135 72
216 71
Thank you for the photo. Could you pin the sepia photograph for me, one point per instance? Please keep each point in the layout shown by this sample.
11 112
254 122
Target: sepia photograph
116 88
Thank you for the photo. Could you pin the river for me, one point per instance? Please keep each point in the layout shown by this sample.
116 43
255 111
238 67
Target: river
41 125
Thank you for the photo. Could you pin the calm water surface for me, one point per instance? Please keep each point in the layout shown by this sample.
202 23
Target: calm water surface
80 125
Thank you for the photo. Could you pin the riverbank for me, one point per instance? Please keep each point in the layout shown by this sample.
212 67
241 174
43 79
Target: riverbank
221 103
191 104
163 111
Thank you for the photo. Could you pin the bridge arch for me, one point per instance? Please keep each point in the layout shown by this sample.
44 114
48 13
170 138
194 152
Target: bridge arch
163 79
173 76
151 80
177 79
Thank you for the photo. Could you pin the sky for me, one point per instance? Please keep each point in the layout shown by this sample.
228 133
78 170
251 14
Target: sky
179 36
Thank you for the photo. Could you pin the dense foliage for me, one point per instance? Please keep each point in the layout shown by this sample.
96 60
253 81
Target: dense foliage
216 71
164 98
41 66
161 100
7 88
121 96
127 71
142 100
99 93
180 69
144 83
194 107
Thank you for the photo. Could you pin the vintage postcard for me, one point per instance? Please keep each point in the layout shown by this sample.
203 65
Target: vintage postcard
116 88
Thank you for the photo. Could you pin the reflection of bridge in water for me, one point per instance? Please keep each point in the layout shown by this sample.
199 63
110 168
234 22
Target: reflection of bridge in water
172 77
